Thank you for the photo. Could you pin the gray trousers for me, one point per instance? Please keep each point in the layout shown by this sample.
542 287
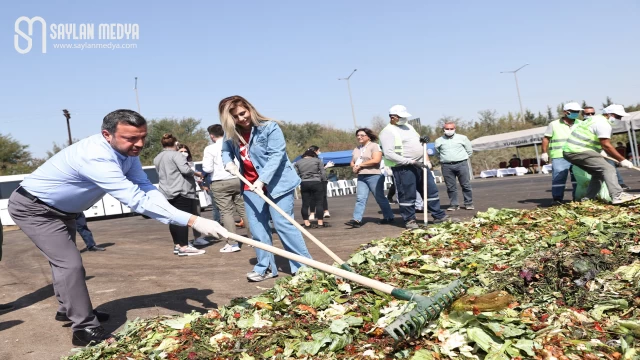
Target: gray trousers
229 198
460 171
599 169
54 233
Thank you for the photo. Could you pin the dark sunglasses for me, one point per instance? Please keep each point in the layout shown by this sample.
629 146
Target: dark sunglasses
589 114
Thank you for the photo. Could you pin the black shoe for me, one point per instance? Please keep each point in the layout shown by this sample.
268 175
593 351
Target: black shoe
625 187
6 307
354 223
325 224
96 248
89 336
386 221
102 317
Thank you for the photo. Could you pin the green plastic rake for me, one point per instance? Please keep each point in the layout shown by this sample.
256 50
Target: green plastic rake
409 324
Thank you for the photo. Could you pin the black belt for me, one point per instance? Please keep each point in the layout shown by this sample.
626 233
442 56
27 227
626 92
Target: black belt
454 162
22 191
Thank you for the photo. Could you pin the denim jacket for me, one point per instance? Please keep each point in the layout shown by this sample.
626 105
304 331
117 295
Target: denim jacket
267 151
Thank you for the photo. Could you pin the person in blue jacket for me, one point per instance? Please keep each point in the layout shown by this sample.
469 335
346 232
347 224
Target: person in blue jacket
257 142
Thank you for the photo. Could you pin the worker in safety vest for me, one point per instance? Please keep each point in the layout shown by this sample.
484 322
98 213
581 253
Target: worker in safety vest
403 153
555 136
583 148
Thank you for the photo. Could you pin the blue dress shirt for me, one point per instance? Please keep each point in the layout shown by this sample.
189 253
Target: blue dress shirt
78 176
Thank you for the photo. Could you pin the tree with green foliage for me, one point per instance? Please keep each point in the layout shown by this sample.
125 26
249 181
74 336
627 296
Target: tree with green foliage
607 102
15 158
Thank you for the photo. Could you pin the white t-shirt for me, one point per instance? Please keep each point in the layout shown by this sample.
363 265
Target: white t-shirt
602 129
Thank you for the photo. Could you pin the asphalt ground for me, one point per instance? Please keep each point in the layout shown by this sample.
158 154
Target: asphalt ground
139 276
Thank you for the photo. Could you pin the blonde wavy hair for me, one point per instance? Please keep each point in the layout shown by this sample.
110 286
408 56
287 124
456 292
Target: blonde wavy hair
229 123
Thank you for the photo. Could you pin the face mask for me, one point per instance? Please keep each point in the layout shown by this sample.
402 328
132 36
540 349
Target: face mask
449 132
573 116
184 153
402 121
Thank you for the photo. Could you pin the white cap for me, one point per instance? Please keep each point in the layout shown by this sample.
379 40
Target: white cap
572 106
615 109
399 110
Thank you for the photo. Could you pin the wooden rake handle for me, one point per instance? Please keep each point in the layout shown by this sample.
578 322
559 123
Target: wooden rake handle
292 221
612 159
374 284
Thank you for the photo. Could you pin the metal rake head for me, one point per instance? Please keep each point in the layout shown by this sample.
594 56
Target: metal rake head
427 309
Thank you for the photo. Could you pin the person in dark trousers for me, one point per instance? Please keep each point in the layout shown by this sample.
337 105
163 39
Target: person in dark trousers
403 153
178 185
311 172
454 151
86 234
46 205
3 307
325 183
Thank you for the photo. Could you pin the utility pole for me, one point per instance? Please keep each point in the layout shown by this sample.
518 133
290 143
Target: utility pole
66 114
353 112
135 88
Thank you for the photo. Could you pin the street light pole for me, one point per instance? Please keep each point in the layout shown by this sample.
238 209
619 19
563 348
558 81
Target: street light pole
353 112
66 114
135 88
517 87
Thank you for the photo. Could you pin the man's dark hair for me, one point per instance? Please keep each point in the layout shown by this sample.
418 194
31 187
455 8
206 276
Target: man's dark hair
122 116
588 107
216 130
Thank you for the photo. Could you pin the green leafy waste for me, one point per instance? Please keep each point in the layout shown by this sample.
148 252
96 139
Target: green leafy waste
571 275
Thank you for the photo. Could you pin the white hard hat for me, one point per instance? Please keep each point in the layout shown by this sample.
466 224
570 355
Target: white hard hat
615 109
572 106
399 110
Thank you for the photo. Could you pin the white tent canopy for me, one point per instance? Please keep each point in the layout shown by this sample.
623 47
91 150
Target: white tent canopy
534 136
507 140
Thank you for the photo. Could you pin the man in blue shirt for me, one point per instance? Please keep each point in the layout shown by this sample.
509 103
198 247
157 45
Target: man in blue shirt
46 205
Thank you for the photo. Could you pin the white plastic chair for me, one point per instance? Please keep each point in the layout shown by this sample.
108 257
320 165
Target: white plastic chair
332 190
342 187
353 185
437 176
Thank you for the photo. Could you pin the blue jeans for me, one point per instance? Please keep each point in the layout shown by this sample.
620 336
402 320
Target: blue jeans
613 163
83 230
408 179
371 183
259 213
561 168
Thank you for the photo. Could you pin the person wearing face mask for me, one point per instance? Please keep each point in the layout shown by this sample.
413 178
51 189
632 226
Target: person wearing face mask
588 112
554 139
46 205
455 150
403 153
583 148
184 150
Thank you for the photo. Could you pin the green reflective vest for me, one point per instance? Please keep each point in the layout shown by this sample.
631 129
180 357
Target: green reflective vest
398 147
561 132
582 138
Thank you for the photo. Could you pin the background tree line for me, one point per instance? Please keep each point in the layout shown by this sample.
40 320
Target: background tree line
15 158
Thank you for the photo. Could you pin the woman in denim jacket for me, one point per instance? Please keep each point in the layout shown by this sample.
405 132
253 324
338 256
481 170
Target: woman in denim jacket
258 144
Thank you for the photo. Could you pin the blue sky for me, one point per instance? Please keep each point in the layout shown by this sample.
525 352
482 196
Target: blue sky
435 57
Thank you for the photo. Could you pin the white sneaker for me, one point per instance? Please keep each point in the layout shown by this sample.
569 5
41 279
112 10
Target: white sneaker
326 214
190 251
624 197
312 216
200 242
230 248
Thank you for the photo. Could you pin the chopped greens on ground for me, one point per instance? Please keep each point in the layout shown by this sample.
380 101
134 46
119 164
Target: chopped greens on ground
554 283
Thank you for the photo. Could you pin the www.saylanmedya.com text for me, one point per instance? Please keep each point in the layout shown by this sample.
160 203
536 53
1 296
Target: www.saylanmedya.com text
108 46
